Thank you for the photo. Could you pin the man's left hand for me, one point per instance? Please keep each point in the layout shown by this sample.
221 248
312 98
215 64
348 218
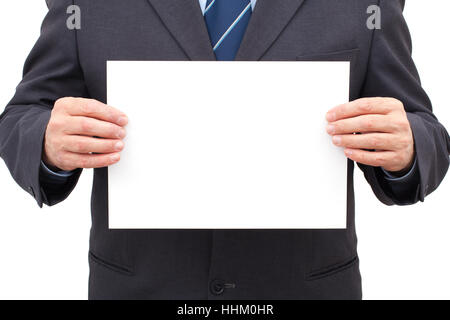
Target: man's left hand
381 126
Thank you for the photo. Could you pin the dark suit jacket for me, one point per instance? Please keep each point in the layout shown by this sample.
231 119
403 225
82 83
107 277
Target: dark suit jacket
219 264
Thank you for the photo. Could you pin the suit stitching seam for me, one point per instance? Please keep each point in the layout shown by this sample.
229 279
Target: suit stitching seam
110 265
333 269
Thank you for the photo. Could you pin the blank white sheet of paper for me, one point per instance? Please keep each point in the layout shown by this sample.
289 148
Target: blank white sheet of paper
228 145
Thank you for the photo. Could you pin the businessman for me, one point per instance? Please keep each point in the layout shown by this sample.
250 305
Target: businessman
58 123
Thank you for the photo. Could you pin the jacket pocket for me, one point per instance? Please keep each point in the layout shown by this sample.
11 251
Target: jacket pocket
332 269
110 265
341 55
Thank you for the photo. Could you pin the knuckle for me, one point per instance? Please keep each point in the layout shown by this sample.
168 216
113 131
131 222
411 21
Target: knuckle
80 146
404 124
64 103
337 127
339 111
60 103
401 125
361 156
395 103
375 141
404 157
112 145
53 125
368 123
380 100
60 144
56 123
86 125
48 143
111 160
84 162
379 160
399 158
88 107
114 130
365 106
106 162
404 142
101 162
374 100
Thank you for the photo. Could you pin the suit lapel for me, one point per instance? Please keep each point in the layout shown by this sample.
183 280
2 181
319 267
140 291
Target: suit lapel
184 20
267 22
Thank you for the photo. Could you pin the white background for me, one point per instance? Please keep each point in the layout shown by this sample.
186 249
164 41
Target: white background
404 251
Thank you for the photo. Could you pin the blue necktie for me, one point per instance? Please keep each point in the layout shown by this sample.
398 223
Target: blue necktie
227 21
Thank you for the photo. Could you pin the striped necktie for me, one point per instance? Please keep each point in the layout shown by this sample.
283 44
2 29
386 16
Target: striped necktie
227 21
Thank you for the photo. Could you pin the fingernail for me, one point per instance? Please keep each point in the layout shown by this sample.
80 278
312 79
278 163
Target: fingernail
122 121
119 145
115 157
337 140
330 129
348 152
331 116
122 133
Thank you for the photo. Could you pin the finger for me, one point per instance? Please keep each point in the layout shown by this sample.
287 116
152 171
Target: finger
88 161
83 144
371 158
359 107
366 123
95 109
93 127
379 141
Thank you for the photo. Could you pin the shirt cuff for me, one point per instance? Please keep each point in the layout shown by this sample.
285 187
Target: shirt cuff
60 174
391 177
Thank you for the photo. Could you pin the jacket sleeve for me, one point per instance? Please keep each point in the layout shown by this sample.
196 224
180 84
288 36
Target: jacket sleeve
391 73
51 71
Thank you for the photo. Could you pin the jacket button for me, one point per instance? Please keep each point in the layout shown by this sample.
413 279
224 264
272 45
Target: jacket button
217 287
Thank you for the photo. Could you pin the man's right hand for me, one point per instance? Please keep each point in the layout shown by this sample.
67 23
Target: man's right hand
83 133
